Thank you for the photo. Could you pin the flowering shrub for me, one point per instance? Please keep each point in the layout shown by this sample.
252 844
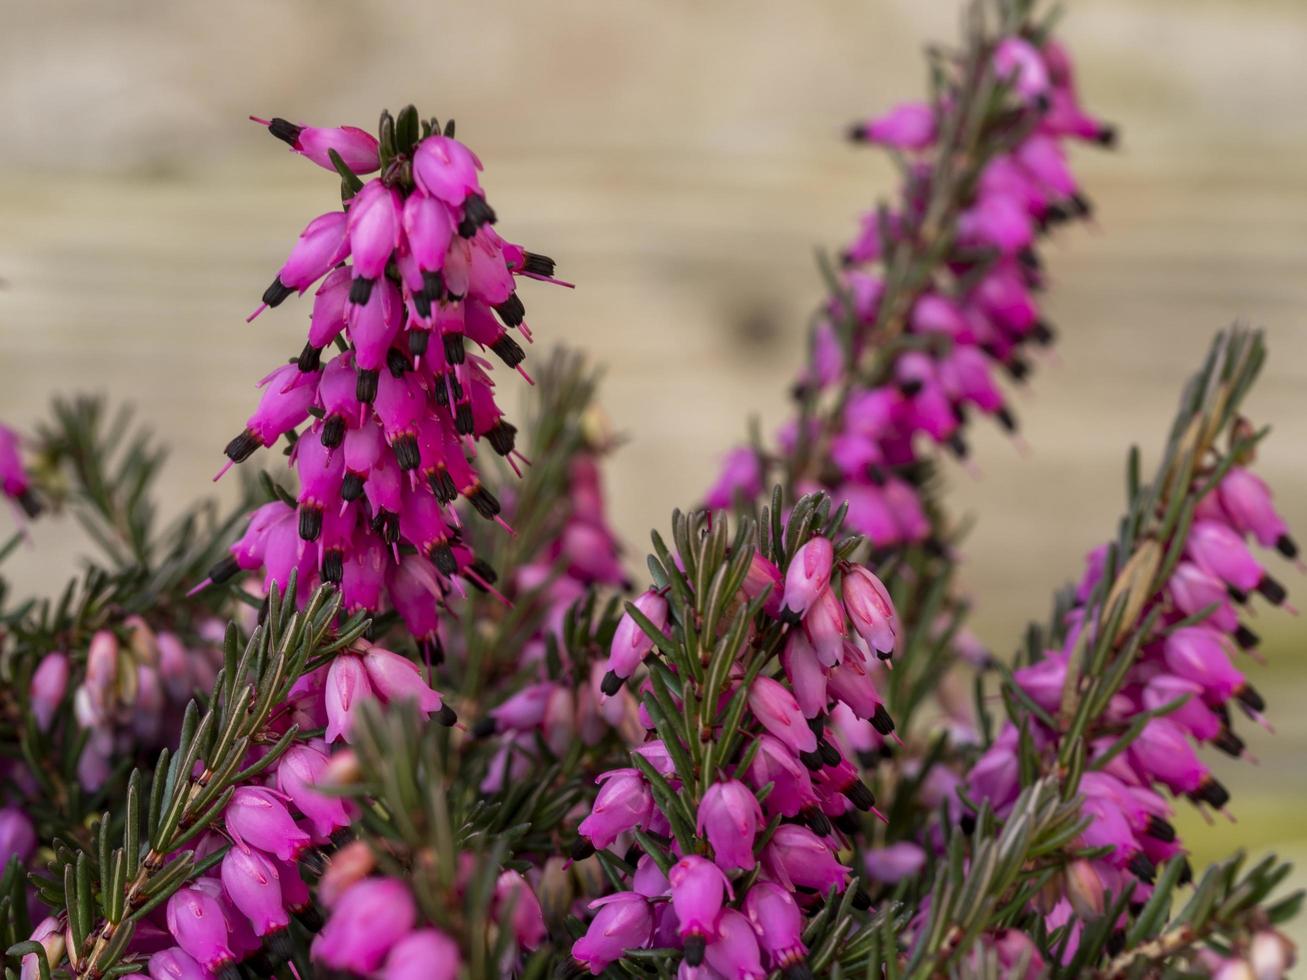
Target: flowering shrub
290 742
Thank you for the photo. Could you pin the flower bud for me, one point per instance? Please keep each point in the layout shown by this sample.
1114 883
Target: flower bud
778 712
253 884
427 954
49 684
797 856
366 922
51 938
299 771
347 686
807 576
528 921
730 817
870 609
698 890
257 817
778 923
350 864
630 642
197 922
623 803
625 921
734 953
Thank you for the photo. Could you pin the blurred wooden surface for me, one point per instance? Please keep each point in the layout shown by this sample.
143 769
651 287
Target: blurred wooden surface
682 163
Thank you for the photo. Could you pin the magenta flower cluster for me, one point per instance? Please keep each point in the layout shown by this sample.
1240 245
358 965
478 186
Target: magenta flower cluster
806 725
1185 671
408 273
973 315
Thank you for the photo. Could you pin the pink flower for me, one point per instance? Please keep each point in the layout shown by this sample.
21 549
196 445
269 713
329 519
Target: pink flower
698 889
427 954
624 922
778 923
730 817
257 817
196 921
870 609
734 953
741 478
624 802
347 686
797 856
779 713
910 126
356 148
808 575
631 644
366 922
253 884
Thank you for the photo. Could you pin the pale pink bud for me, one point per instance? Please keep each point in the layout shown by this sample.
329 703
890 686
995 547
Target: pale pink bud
778 922
368 919
808 575
625 921
870 609
734 953
426 954
624 802
778 711
257 817
48 686
196 921
824 624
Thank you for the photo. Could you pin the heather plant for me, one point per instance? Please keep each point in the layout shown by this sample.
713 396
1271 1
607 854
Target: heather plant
417 714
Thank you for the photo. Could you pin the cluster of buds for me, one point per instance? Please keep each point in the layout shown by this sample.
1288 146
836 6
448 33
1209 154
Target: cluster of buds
1184 681
407 273
582 554
782 738
940 290
132 692
373 924
15 483
241 911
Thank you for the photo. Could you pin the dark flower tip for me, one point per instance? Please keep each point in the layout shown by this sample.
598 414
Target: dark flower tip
447 716
582 849
223 570
360 291
310 522
509 350
1286 546
442 485
537 264
276 294
485 502
455 352
695 947
333 566
512 311
242 447
611 684
351 488
333 431
284 130
502 437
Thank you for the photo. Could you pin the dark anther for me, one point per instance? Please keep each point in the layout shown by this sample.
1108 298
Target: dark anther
483 570
432 650
509 350
310 522
279 948
967 823
484 728
1238 595
1186 871
463 423
360 291
1018 368
1286 546
1106 136
1249 698
1055 214
30 503
1272 590
868 758
817 821
911 387
1160 829
537 264
1006 419
406 451
310 359
881 721
365 388
442 485
859 795
789 617
611 684
223 570
397 362
229 972
958 445
285 131
1116 942
455 352
351 488
333 566
1043 332
240 448
440 392
476 212
695 946
1212 793
1229 743
1082 205
417 341
387 525
848 822
1029 259
502 437
861 900
422 303
817 726
829 754
455 386
582 849
811 759
333 431
443 557
511 311
485 502
1246 638
1142 868
276 294
433 285
857 133
797 971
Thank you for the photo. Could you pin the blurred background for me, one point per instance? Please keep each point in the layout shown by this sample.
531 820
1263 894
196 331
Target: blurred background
682 161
